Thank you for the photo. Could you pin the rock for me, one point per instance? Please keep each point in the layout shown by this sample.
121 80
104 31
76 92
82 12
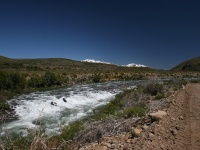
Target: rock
64 100
121 146
36 122
136 132
173 102
145 127
172 118
108 145
113 146
105 148
158 115
174 132
147 121
177 127
181 118
151 135
162 146
54 103
114 142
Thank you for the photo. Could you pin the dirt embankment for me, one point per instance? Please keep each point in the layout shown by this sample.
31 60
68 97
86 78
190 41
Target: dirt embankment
178 130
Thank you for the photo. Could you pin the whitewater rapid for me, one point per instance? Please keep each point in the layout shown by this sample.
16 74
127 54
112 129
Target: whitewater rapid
35 108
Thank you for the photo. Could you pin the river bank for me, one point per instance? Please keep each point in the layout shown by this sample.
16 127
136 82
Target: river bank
177 129
152 97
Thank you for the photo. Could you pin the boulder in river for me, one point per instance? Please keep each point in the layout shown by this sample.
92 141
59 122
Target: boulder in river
54 103
64 100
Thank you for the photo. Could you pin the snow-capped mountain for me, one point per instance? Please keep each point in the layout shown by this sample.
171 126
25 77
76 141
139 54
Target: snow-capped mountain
135 65
95 61
102 62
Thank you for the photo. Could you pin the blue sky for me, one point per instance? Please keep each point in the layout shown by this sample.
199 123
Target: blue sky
156 33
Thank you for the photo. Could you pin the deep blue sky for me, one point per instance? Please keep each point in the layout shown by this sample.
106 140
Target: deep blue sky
156 33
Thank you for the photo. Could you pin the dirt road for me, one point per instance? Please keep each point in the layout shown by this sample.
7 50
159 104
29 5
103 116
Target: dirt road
178 130
189 135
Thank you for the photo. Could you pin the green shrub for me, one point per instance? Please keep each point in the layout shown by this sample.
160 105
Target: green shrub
153 88
134 112
22 142
70 130
176 84
96 79
4 106
195 81
159 96
12 80
100 116
111 108
36 81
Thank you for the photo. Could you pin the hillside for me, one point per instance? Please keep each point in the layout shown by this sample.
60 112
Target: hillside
189 65
61 64
47 72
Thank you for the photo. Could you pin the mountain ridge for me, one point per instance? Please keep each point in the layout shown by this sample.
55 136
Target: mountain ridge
192 64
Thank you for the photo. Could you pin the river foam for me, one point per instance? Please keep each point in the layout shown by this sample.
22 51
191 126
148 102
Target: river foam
36 108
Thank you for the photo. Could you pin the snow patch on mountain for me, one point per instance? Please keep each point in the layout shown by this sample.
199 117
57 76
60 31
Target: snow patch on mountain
135 65
95 61
102 62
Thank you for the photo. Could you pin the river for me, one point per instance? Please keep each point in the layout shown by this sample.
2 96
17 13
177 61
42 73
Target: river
71 104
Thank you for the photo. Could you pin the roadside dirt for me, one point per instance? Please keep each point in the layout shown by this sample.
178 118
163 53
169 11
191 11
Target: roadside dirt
178 130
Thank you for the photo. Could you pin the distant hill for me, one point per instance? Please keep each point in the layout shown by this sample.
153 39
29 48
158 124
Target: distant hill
62 64
2 58
189 65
